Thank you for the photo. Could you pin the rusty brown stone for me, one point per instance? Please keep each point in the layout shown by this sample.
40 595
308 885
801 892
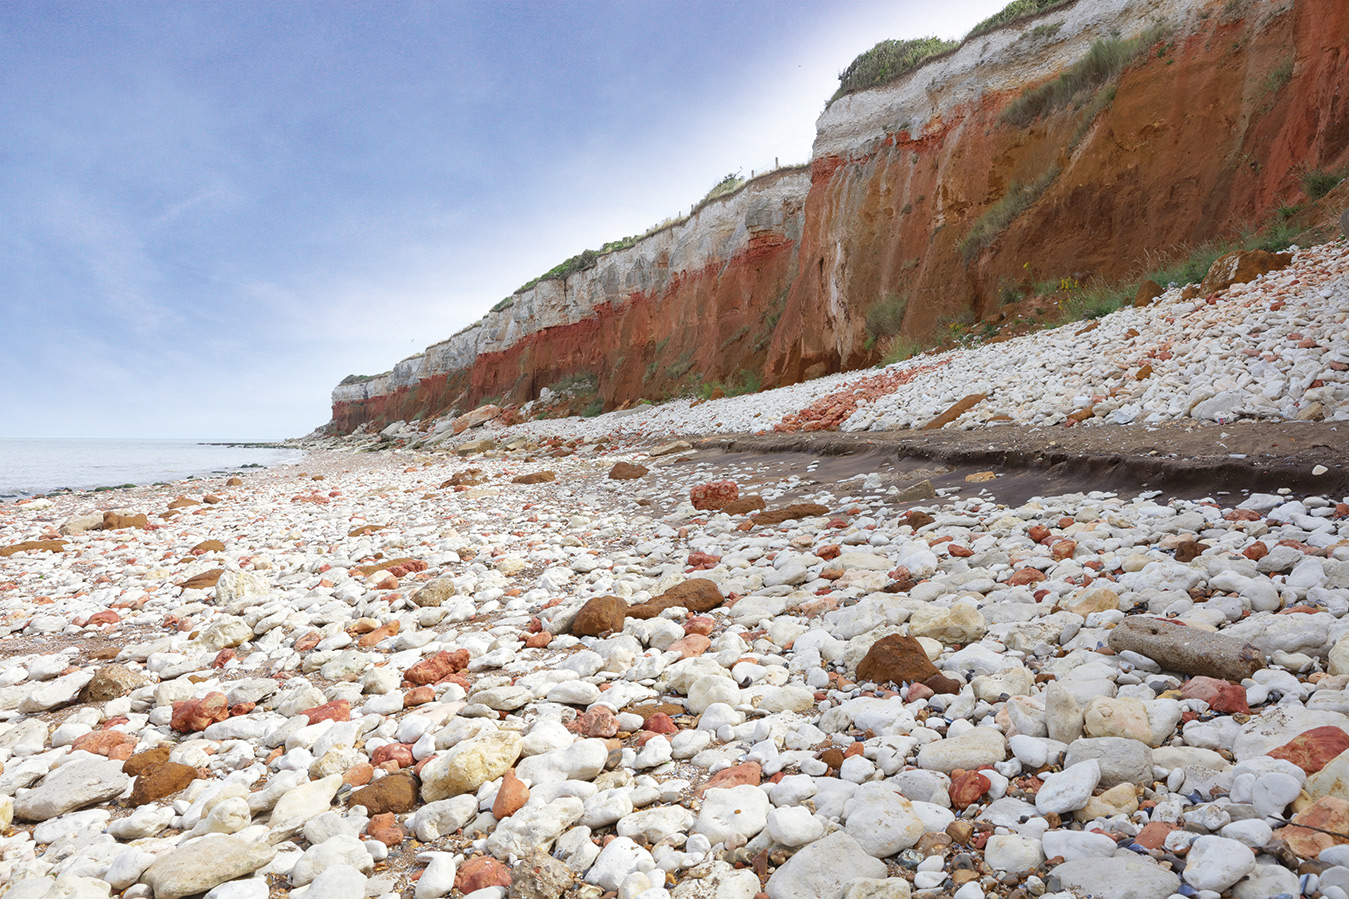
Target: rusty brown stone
30 546
1148 290
392 793
1241 266
481 872
955 410
599 616
896 659
204 580
161 781
786 513
194 715
627 471
511 796
438 667
537 477
115 521
1313 749
750 773
695 594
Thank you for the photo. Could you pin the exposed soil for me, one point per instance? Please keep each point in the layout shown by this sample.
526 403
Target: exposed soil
1187 460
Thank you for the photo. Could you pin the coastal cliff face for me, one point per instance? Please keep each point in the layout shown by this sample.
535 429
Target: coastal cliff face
923 195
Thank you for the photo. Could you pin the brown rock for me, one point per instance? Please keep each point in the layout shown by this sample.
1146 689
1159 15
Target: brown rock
957 409
1189 551
1224 696
1186 649
713 494
478 416
143 761
833 757
110 682
359 774
418 696
438 667
787 513
160 781
599 616
337 710
537 477
690 646
1148 291
398 753
745 773
386 829
1312 750
481 872
380 634
1327 813
234 482
896 659
511 797
207 546
744 505
115 521
1153 835
212 499
967 788
393 793
940 683
699 624
204 580
917 518
469 477
627 471
696 594
660 723
198 714
183 502
31 546
596 722
112 744
1241 266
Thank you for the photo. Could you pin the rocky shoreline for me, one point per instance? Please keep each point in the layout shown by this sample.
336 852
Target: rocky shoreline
576 658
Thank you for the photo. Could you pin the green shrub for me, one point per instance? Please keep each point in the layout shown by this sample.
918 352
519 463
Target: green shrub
997 217
1278 77
505 304
887 317
1015 11
1103 62
1317 184
900 348
887 61
729 184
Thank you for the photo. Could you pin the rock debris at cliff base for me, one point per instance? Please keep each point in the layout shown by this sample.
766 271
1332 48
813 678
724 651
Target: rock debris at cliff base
505 665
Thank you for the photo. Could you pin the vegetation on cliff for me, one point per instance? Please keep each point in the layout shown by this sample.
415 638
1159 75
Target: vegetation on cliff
887 61
1015 12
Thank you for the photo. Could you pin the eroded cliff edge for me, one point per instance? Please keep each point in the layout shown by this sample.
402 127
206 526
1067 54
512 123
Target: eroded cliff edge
926 196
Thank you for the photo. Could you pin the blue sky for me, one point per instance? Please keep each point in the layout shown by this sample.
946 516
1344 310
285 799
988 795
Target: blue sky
210 213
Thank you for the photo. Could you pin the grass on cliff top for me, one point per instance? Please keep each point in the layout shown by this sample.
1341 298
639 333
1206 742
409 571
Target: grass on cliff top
1015 12
1103 62
887 61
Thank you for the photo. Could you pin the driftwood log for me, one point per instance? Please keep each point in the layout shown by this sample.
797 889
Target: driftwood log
1187 649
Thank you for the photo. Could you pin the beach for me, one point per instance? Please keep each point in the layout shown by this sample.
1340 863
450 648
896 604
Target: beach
608 657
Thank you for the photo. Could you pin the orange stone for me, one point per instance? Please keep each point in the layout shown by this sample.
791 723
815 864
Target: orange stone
511 797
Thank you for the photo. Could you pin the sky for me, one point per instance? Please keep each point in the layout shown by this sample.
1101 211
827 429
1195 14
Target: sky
211 213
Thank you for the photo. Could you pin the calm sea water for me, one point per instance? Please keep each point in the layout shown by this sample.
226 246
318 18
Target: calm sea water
35 465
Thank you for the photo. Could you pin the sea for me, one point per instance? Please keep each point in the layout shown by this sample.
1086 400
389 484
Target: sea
32 466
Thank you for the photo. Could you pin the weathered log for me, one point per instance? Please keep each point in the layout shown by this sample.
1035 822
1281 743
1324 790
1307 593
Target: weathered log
1187 649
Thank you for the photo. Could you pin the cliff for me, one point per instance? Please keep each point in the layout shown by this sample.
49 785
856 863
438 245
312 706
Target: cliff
938 195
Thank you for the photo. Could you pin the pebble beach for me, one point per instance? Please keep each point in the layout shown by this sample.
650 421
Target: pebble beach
588 657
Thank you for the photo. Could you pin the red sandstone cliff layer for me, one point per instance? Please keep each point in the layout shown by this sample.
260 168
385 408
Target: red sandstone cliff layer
1205 131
